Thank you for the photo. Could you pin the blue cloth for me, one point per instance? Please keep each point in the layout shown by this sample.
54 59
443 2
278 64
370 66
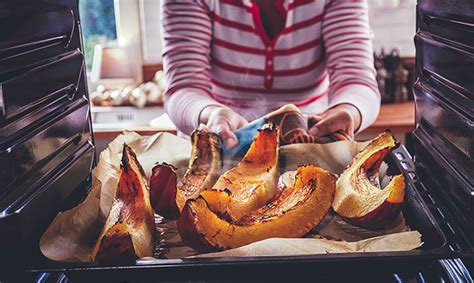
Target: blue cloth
245 136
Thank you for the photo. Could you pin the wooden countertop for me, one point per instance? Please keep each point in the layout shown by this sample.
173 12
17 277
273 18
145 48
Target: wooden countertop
398 117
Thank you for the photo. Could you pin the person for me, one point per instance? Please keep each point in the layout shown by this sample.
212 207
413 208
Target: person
231 61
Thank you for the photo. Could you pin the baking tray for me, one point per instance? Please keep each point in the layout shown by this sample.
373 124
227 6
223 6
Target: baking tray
441 240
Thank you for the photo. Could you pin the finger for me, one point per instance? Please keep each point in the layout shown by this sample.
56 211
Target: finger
242 123
325 139
327 126
342 136
313 120
237 122
202 127
228 137
313 131
350 134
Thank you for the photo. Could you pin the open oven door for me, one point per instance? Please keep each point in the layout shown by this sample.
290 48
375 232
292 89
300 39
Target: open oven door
46 142
444 97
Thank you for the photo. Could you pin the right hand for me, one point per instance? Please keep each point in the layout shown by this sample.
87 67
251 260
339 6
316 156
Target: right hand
223 121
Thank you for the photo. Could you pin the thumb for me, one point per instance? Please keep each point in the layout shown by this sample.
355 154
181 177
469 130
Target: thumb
236 122
228 137
323 127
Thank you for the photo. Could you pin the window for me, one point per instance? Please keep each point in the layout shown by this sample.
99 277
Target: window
98 25
150 31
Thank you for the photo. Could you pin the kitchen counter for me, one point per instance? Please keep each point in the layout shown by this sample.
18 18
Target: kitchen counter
398 117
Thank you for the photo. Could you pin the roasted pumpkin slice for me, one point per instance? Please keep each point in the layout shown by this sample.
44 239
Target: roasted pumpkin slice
163 190
359 199
129 231
168 196
252 183
292 214
204 167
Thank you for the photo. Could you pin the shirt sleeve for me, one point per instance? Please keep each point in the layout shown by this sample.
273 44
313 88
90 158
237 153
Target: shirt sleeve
350 63
186 30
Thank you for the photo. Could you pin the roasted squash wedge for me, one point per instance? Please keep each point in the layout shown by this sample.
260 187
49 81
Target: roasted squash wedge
252 183
359 199
168 196
163 182
292 214
204 167
129 231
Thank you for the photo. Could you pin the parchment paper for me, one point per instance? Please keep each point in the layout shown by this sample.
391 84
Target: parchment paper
72 234
305 246
70 237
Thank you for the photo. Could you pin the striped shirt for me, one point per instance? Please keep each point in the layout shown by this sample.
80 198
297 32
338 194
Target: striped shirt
218 53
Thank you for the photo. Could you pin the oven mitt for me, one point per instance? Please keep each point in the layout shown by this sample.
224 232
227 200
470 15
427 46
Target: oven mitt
245 136
294 127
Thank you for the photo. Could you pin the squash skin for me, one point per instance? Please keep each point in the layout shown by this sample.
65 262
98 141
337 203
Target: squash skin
292 214
116 246
167 194
129 231
163 190
360 202
386 213
252 183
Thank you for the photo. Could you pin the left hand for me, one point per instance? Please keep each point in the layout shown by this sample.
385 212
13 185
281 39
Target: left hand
344 117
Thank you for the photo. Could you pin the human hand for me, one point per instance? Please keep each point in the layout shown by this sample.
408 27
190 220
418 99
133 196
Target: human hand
223 121
343 117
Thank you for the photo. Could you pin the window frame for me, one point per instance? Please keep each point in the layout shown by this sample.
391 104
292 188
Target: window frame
150 16
143 42
127 22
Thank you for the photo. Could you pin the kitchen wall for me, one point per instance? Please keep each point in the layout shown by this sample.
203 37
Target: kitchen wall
393 23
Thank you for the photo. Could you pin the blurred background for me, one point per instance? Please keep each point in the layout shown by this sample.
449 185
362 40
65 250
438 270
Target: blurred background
123 54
